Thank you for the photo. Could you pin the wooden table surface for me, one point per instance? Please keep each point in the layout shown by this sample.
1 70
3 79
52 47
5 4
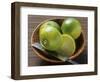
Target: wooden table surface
33 59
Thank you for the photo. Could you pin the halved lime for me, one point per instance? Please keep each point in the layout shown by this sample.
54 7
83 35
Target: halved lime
68 45
50 38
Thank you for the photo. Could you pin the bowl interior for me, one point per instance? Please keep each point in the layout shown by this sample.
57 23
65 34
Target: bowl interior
80 43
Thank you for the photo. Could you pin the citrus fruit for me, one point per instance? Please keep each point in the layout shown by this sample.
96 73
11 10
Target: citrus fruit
68 45
50 38
72 27
51 23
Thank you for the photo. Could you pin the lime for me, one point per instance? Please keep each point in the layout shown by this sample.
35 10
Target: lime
72 27
51 23
68 45
50 38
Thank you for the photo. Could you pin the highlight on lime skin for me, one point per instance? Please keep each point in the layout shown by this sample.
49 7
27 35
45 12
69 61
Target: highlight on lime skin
72 27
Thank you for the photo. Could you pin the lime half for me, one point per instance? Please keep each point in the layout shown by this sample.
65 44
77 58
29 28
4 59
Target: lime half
50 38
68 46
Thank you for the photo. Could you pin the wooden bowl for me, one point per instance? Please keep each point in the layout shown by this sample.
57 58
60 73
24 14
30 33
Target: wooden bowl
80 44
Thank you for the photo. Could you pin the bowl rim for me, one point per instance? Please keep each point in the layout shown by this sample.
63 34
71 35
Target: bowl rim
57 61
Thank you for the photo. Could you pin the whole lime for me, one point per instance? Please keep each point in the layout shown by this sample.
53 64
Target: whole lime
50 38
52 24
68 45
72 27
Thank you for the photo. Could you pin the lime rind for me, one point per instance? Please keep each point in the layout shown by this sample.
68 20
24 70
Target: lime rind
72 27
52 24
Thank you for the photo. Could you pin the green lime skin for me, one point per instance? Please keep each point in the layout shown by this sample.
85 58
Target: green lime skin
50 38
52 24
68 45
72 27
